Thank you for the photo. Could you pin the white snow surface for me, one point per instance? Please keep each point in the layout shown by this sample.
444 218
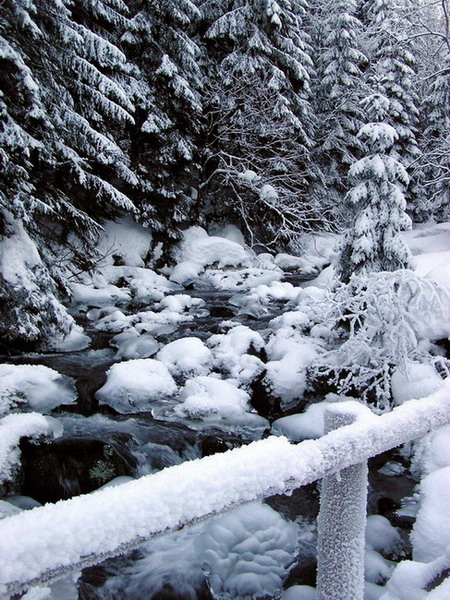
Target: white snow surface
127 239
13 428
214 400
414 380
133 385
410 579
300 592
55 536
198 250
432 452
186 357
431 532
33 387
430 245
303 426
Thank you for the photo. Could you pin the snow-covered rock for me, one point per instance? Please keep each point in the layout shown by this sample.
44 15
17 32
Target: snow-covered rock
186 357
231 353
289 356
33 387
300 592
287 262
432 452
130 345
198 250
210 398
133 385
13 428
303 426
382 536
377 569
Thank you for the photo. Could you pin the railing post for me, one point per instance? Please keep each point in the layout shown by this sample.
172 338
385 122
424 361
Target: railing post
342 520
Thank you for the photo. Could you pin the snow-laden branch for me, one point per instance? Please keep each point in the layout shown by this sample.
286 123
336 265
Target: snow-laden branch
49 541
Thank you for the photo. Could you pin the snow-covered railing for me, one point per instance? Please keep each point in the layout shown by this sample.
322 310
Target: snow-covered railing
50 541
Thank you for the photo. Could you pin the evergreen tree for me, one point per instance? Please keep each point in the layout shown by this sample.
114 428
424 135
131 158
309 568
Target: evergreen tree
376 200
166 89
435 164
61 98
63 115
260 124
339 90
393 72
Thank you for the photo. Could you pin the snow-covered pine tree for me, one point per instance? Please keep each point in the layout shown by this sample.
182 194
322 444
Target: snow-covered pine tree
60 90
429 30
166 90
394 64
435 162
260 122
63 171
339 91
376 200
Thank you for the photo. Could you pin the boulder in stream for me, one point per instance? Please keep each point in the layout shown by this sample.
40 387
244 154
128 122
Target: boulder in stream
71 466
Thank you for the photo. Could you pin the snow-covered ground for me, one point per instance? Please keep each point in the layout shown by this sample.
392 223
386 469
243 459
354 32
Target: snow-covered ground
209 380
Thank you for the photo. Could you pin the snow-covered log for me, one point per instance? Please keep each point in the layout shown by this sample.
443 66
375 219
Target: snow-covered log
49 541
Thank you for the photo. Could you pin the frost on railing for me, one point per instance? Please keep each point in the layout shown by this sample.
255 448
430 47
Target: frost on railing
49 541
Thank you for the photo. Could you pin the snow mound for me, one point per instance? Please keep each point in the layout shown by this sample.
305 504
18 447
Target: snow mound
300 592
33 387
105 294
287 262
247 552
305 426
186 357
231 353
209 397
132 385
229 232
431 533
154 323
377 569
381 535
293 318
131 345
411 579
414 380
199 250
432 452
239 279
125 241
75 340
13 428
180 303
289 356
7 509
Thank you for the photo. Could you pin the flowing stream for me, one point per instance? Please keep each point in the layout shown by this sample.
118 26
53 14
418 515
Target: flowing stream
140 444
